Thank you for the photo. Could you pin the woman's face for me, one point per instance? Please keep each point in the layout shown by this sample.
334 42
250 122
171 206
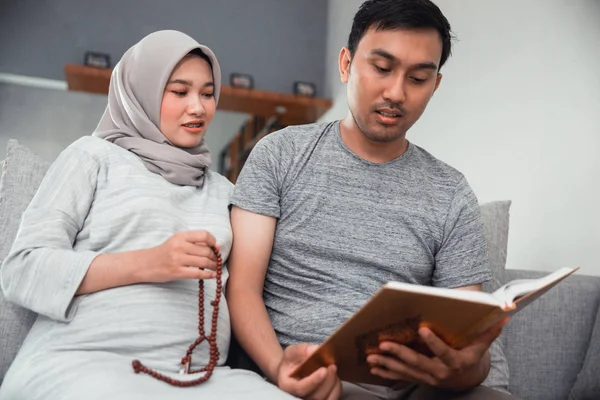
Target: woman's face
188 103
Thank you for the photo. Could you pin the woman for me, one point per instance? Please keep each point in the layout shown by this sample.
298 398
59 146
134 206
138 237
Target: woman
111 248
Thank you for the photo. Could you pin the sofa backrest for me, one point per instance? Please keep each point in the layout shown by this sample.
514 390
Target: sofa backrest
546 343
22 173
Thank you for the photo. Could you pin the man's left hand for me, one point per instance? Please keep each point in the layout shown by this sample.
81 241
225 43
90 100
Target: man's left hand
448 369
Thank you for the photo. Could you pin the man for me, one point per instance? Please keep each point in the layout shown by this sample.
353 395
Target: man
324 214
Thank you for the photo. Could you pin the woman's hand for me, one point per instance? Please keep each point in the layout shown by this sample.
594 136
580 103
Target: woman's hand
185 255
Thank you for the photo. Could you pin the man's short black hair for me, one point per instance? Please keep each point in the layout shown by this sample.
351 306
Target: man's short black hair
396 14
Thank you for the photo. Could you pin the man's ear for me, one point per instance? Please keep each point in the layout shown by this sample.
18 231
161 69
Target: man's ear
438 80
344 64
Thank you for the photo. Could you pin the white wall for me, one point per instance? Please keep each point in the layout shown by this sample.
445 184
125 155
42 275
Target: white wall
518 112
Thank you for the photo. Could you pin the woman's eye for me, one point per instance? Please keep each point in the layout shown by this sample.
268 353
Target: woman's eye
180 94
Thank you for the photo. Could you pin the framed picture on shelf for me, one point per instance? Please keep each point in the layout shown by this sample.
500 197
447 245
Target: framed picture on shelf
243 81
96 60
305 89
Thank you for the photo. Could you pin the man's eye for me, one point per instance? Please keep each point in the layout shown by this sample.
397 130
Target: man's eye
418 80
381 70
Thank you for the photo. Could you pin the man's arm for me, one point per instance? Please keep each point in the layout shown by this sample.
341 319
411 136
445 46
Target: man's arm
253 241
255 211
252 244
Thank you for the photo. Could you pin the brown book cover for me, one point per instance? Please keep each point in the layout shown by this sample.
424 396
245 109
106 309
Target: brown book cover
397 310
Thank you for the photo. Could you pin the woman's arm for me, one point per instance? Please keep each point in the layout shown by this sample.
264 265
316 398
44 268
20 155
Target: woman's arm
169 261
41 271
112 270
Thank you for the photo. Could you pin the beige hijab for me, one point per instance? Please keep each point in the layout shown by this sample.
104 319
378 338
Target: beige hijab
132 118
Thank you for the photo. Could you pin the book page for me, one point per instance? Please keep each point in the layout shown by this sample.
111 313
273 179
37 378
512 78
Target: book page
467 295
513 290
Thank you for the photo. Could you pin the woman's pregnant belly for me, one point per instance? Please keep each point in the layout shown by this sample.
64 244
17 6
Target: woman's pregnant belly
155 323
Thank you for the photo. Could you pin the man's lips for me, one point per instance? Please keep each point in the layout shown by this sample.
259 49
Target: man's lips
388 116
390 112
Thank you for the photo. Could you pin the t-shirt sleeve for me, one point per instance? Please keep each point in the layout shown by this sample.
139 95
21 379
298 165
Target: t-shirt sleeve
258 187
462 258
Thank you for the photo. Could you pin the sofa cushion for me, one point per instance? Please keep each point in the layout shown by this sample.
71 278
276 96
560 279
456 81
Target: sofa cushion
495 216
2 165
587 385
546 342
21 175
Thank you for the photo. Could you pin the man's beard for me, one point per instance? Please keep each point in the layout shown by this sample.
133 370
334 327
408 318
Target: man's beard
385 135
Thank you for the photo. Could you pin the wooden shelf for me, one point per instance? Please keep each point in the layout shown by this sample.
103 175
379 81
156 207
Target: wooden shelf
296 109
234 155
87 79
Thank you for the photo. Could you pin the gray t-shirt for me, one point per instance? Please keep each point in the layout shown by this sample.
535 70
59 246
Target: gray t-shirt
346 226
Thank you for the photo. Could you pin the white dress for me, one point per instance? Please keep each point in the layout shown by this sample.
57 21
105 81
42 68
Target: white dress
99 198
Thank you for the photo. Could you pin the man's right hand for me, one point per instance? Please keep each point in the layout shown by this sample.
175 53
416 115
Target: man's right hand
323 384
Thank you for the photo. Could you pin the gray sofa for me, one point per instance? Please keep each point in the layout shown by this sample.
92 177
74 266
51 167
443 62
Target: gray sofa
552 347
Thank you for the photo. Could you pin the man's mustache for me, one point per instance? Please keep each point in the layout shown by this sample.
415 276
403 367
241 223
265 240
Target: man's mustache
395 107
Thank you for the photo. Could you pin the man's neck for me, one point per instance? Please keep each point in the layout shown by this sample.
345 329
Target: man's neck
369 150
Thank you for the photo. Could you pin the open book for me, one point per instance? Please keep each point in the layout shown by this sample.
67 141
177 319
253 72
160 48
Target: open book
397 310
